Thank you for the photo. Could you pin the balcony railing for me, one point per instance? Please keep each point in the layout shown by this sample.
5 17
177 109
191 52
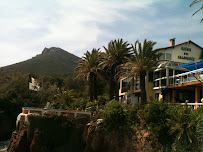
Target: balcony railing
191 76
193 105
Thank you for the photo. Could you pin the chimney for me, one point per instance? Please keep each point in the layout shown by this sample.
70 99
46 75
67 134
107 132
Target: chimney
172 42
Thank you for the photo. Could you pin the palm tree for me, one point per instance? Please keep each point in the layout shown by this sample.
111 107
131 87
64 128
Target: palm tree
88 67
115 54
183 125
142 61
194 2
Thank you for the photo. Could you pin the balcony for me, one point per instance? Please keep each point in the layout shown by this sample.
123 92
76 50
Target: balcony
183 78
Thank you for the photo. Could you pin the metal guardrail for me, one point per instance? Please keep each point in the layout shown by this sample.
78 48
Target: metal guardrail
71 113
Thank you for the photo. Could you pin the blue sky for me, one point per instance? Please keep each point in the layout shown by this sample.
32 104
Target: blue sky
28 26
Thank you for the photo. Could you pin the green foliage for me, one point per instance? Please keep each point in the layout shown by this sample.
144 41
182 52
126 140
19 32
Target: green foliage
88 67
142 61
79 104
133 114
156 114
114 115
116 54
89 104
102 100
14 94
200 132
183 125
176 127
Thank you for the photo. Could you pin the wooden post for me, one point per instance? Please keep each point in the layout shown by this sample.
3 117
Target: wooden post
174 96
197 95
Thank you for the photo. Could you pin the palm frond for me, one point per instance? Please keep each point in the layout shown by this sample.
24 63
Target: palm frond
197 10
194 2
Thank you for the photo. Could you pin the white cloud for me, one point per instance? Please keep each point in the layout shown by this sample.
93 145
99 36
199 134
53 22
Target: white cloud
15 53
77 25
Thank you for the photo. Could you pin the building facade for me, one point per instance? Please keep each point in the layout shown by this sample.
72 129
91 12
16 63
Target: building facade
162 83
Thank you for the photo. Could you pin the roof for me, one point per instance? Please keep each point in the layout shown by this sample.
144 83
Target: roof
170 64
189 41
194 65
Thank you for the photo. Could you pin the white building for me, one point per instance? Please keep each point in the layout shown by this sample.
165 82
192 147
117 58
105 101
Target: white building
160 81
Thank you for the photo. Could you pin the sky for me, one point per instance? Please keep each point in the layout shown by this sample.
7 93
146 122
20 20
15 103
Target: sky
28 26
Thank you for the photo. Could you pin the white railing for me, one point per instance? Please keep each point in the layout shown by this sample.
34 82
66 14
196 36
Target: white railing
195 75
71 113
193 105
191 76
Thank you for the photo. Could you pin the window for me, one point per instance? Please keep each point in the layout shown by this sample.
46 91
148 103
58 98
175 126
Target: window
165 56
156 96
156 75
125 85
162 57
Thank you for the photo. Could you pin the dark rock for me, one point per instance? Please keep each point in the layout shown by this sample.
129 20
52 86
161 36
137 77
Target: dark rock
36 144
18 142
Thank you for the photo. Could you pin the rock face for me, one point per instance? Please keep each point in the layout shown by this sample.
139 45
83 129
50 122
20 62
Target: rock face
76 136
51 50
36 144
66 134
19 141
121 140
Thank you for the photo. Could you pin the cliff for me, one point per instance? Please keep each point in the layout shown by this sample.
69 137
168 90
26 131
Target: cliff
48 133
55 133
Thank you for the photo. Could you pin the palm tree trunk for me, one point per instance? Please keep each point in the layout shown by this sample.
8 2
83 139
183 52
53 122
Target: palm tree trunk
91 79
95 87
142 87
117 90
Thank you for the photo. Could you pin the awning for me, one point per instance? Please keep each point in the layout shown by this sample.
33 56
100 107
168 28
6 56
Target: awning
194 65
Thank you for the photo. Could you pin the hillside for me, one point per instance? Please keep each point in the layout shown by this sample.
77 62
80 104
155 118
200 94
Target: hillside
52 61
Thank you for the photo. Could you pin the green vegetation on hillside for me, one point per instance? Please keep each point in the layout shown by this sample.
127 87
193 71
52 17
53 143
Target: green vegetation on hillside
53 61
171 127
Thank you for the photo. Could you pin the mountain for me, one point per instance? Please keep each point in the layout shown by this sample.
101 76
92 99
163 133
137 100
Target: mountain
52 61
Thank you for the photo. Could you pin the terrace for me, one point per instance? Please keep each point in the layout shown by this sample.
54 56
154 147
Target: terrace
183 79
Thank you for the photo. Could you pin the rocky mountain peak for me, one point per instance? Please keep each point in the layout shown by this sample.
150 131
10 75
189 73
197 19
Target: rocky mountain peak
51 50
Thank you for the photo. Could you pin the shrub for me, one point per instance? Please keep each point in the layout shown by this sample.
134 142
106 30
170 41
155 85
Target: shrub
183 125
114 115
156 114
200 132
102 100
79 104
133 114
89 104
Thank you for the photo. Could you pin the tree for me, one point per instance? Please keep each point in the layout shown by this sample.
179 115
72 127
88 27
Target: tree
115 55
88 67
194 2
142 61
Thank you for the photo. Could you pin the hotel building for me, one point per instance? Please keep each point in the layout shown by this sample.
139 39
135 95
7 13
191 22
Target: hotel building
167 82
